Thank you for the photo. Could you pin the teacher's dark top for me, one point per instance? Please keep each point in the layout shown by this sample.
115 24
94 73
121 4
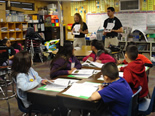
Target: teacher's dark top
117 26
83 29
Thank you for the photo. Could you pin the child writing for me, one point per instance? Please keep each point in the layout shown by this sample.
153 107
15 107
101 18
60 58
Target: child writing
99 54
117 91
25 77
64 62
6 42
134 72
145 60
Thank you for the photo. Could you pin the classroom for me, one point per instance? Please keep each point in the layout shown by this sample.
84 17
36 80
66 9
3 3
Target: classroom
77 58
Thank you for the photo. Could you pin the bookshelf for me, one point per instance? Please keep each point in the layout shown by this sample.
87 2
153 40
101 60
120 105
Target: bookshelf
147 47
14 31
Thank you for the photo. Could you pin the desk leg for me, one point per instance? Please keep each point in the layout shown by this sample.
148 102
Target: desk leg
69 113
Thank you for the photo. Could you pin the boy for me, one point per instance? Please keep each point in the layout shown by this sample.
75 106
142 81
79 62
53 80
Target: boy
145 60
135 73
117 93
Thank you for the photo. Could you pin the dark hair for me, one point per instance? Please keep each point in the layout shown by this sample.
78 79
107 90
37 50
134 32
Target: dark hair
80 19
132 52
111 8
4 41
98 45
131 43
65 52
21 63
110 70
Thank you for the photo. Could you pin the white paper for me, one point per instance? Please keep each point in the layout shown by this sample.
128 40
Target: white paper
80 89
101 78
122 65
83 71
82 76
42 27
110 26
76 29
92 64
120 74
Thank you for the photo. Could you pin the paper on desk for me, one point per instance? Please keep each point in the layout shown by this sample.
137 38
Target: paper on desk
122 65
92 64
120 74
101 78
76 29
81 90
80 76
83 71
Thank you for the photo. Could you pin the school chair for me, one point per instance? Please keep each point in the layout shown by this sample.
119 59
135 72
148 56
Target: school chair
133 107
33 46
146 106
5 82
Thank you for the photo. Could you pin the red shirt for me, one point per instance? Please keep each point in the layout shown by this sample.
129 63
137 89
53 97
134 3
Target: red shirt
136 76
104 58
142 57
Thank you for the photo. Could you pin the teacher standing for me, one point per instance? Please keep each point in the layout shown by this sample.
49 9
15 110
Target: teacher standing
79 39
112 26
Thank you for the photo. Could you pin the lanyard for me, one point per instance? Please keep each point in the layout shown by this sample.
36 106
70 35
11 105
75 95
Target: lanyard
34 77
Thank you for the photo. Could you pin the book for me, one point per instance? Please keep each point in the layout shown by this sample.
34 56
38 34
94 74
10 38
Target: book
89 63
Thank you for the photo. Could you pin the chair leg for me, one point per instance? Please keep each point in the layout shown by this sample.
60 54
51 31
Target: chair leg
69 113
40 57
8 107
88 114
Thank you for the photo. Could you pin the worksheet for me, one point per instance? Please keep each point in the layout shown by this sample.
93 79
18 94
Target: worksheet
76 29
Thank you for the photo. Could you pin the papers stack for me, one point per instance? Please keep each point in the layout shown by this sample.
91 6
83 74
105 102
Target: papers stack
58 85
92 64
82 90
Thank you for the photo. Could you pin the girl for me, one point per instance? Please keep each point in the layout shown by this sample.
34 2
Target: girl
64 62
99 54
6 42
25 76
79 40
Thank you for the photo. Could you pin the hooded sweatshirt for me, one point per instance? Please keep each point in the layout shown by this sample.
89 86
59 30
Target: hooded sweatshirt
136 76
103 57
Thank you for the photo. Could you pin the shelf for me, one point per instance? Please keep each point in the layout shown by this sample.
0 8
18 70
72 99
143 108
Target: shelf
140 41
12 31
18 40
122 41
4 31
18 31
143 51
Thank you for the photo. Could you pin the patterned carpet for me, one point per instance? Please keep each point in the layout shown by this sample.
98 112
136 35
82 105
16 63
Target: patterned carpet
44 70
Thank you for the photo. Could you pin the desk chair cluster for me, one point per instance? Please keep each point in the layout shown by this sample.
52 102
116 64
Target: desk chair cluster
6 81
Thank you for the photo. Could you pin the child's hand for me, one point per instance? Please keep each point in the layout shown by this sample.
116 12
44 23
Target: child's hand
100 87
119 62
45 82
70 71
99 61
119 69
91 59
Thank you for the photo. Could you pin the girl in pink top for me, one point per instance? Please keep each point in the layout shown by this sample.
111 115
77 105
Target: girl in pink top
99 54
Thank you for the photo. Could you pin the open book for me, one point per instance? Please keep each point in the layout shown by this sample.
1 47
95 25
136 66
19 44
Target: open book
83 72
89 63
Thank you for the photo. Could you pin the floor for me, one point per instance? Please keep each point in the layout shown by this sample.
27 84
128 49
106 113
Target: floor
43 69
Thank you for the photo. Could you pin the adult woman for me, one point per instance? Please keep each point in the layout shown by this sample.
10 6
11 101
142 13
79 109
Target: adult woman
79 38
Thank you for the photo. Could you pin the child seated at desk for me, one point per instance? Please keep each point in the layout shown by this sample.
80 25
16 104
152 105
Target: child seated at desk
145 60
99 54
134 72
116 91
6 42
25 77
64 62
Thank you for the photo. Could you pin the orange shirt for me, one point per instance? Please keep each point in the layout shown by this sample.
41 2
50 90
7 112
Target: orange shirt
141 57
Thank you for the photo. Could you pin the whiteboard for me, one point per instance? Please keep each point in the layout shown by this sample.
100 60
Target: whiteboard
135 20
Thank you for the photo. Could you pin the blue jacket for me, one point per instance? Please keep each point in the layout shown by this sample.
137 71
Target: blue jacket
25 82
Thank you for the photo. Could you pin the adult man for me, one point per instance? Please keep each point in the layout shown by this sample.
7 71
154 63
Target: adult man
112 26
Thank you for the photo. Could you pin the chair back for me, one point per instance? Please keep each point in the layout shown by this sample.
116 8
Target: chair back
133 107
21 106
152 103
4 54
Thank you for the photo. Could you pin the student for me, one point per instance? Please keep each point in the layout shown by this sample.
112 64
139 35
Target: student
145 60
135 73
64 62
99 54
116 92
79 40
6 42
25 77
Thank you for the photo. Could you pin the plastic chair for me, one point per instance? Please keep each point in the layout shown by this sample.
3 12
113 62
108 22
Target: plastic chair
146 106
133 107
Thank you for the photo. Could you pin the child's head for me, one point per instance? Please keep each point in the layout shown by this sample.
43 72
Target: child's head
66 49
21 63
131 43
109 72
6 42
131 53
96 45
